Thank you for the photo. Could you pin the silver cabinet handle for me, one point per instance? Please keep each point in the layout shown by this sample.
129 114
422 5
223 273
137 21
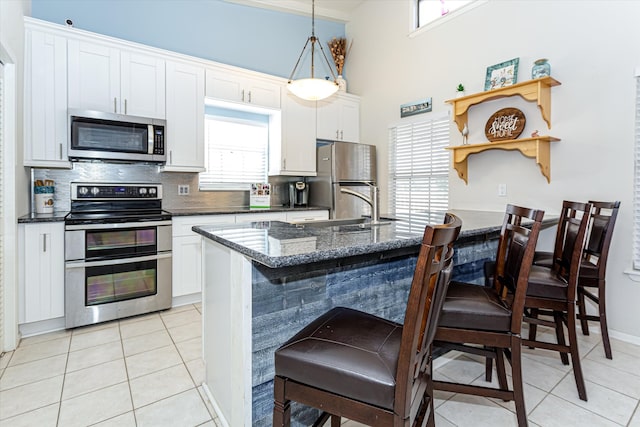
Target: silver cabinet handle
249 96
242 95
115 105
341 135
284 164
44 243
171 156
60 146
125 106
337 134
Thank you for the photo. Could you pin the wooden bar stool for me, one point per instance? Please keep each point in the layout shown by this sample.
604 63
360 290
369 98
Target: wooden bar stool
352 364
593 269
487 320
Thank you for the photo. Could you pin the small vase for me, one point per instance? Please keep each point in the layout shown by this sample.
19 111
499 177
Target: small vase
460 94
541 68
342 83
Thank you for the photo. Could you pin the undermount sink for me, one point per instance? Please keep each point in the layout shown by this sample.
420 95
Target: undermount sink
362 222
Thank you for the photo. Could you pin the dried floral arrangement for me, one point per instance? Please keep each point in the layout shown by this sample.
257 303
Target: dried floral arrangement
338 48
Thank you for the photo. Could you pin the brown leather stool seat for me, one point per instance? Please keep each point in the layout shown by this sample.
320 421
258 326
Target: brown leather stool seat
480 306
347 352
587 268
546 283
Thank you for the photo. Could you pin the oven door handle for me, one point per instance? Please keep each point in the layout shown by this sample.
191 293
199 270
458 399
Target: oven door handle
83 264
116 225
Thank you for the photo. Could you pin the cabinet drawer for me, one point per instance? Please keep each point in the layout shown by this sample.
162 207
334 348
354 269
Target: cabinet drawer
307 216
182 225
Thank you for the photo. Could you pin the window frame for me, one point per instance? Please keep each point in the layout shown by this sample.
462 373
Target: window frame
229 113
416 30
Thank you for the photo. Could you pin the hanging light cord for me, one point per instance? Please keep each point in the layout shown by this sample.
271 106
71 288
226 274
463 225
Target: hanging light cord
313 39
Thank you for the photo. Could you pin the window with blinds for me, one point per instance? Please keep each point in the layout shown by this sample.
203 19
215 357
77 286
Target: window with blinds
636 183
236 149
419 170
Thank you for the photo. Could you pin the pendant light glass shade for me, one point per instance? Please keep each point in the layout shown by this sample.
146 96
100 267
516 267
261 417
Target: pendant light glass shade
312 89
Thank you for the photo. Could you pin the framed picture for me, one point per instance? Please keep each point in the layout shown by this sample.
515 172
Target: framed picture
502 75
418 107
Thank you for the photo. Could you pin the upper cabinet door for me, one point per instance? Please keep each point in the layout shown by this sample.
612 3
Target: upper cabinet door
233 86
143 85
94 76
185 117
45 100
104 78
339 118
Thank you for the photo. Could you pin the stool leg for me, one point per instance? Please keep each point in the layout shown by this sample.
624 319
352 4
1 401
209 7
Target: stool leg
281 406
557 317
582 312
602 308
516 373
533 328
575 356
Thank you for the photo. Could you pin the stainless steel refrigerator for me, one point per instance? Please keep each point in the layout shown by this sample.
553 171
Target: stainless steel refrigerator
344 165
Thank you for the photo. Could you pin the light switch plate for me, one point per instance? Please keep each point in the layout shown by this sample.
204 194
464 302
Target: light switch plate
183 190
502 190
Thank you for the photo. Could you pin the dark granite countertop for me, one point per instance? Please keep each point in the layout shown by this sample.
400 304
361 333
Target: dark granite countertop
48 217
277 244
231 210
203 210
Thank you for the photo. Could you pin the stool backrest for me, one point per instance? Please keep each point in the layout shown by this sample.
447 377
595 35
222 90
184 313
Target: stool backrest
516 248
602 222
426 296
570 243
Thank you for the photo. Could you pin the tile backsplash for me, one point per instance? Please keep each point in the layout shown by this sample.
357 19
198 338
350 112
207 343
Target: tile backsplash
115 172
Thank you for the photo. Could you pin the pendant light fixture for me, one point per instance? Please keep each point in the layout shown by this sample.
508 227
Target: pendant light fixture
312 88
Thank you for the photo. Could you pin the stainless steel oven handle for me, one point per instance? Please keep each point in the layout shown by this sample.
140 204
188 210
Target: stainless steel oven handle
112 225
80 264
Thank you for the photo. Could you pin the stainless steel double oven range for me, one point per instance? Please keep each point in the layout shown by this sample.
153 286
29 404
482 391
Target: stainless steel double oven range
117 252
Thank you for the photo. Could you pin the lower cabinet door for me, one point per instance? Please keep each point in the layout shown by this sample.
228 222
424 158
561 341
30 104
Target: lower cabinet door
187 265
43 272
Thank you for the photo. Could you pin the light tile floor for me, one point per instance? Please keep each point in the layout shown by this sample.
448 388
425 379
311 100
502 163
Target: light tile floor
147 371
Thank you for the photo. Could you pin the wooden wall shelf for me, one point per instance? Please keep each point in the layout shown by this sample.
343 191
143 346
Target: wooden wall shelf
537 148
532 90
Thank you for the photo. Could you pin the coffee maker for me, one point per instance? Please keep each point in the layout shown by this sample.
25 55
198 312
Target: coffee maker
298 194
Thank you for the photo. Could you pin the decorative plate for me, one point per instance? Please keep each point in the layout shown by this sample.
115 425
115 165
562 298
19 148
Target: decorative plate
504 124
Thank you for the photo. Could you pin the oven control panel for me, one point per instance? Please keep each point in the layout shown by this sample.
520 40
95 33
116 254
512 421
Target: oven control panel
115 191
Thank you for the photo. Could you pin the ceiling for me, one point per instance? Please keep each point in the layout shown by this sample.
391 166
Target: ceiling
335 10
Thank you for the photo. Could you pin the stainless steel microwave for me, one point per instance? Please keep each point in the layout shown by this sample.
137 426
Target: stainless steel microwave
95 135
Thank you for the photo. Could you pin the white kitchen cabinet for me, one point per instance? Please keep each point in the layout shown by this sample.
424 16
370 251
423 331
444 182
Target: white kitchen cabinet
300 216
295 152
42 271
185 117
45 100
187 252
229 85
102 77
338 118
261 216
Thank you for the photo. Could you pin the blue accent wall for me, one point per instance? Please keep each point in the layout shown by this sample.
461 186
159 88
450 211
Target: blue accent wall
248 37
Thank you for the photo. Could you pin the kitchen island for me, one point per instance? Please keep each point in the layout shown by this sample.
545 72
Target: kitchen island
264 281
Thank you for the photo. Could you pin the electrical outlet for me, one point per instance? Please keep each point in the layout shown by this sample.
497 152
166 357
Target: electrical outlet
502 190
183 190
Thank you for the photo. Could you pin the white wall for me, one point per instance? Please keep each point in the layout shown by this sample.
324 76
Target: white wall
593 52
15 183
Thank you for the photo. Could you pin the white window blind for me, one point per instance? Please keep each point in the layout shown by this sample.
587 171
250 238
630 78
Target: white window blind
236 152
419 170
636 183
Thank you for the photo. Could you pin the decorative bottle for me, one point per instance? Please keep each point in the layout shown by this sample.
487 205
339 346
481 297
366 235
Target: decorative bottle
541 68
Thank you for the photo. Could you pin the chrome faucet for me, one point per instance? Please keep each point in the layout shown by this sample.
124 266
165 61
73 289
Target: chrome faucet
373 201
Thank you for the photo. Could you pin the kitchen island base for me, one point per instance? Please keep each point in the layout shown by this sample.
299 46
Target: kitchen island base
249 310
